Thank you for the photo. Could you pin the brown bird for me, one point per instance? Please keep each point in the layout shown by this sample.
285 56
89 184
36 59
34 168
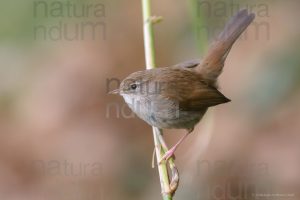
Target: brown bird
177 97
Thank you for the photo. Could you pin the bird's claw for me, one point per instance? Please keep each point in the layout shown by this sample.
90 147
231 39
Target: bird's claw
169 154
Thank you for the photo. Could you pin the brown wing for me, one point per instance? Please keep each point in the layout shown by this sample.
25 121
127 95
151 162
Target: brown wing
202 96
191 92
188 64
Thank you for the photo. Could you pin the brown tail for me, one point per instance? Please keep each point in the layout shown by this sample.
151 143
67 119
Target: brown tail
212 64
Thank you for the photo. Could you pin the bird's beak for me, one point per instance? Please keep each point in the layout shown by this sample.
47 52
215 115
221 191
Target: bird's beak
117 91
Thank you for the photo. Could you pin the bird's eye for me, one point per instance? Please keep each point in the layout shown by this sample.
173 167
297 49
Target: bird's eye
133 86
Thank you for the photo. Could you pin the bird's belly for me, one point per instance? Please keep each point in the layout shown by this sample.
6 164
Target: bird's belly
164 113
185 120
173 120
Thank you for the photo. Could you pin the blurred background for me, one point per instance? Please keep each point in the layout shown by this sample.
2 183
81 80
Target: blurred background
63 137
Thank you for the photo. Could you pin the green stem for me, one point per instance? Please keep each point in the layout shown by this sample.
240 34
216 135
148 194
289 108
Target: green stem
199 26
175 175
150 63
162 168
148 35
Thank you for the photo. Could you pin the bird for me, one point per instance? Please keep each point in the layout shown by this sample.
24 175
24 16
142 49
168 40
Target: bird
178 96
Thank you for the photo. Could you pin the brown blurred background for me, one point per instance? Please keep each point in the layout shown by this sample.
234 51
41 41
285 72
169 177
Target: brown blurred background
63 137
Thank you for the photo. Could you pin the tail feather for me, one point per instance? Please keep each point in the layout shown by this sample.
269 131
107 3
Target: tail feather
212 64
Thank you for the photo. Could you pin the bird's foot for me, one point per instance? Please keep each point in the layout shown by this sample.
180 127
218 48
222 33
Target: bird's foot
169 154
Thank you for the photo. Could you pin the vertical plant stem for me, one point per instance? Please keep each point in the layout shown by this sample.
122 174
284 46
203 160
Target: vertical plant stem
199 25
148 35
150 63
174 182
162 168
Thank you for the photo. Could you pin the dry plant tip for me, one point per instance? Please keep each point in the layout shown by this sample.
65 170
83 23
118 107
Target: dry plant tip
155 19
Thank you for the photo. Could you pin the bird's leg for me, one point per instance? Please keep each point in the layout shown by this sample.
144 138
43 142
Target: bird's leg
164 149
174 172
171 152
